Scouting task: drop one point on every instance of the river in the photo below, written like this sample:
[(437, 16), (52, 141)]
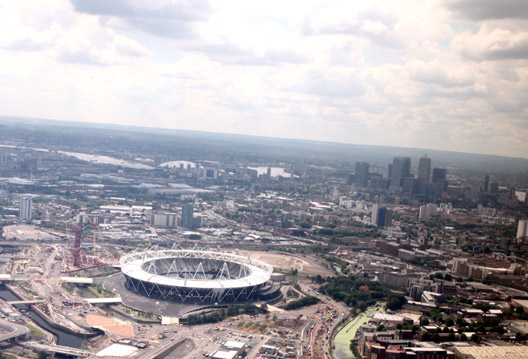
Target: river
[(63, 338), (100, 159), (345, 335)]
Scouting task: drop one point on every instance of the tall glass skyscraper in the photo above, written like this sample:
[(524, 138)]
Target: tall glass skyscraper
[(424, 168), (439, 174), (361, 174), (401, 168)]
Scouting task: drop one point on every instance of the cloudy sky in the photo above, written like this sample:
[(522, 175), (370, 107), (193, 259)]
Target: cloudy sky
[(442, 74)]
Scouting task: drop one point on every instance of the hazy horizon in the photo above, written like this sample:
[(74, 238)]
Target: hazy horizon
[(378, 155), (140, 128)]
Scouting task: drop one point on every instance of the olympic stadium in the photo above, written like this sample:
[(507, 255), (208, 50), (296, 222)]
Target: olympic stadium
[(197, 276)]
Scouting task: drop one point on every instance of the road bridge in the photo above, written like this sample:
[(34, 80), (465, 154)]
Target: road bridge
[(34, 301), (5, 278), (15, 331), (112, 300), (58, 349), (162, 349)]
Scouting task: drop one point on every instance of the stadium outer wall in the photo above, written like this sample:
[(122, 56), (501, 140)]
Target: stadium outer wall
[(197, 276)]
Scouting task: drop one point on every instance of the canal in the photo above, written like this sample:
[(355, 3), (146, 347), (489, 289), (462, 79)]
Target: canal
[(345, 335), (63, 338)]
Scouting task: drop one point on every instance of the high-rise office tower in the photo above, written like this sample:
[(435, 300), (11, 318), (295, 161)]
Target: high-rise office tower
[(409, 185), (387, 220), (486, 184), (522, 230), (426, 211), (424, 168), (187, 216), (374, 218), (401, 168), (361, 174), (25, 208), (439, 174), (383, 217)]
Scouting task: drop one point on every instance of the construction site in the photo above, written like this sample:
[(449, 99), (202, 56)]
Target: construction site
[(72, 289)]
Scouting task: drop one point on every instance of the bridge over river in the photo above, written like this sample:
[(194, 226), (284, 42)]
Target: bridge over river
[(58, 349)]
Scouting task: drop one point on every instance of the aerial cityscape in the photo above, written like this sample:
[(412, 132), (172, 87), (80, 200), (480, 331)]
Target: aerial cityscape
[(236, 179), (118, 242)]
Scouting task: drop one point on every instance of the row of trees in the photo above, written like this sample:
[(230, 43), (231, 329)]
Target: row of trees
[(232, 311), (303, 302), (435, 337)]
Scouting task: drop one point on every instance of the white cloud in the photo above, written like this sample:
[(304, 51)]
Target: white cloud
[(492, 43), (172, 19), (410, 73)]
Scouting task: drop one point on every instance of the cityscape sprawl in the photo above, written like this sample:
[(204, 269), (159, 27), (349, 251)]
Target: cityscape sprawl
[(117, 242)]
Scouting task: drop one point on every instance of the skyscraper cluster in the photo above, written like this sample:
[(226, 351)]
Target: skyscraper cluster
[(424, 184), (429, 182)]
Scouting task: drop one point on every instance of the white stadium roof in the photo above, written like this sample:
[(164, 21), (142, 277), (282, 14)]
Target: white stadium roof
[(133, 266)]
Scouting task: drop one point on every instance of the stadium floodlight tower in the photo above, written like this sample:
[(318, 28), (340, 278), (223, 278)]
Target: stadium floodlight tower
[(197, 276)]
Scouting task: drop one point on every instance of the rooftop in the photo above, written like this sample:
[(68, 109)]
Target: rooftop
[(499, 352)]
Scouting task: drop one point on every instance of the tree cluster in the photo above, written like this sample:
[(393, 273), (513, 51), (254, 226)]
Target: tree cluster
[(219, 315), (303, 302), (360, 293)]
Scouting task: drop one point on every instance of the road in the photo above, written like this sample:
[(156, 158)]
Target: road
[(328, 317), (14, 331), (48, 286), (198, 334)]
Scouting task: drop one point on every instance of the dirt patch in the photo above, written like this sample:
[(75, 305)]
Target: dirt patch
[(305, 265), (114, 326)]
